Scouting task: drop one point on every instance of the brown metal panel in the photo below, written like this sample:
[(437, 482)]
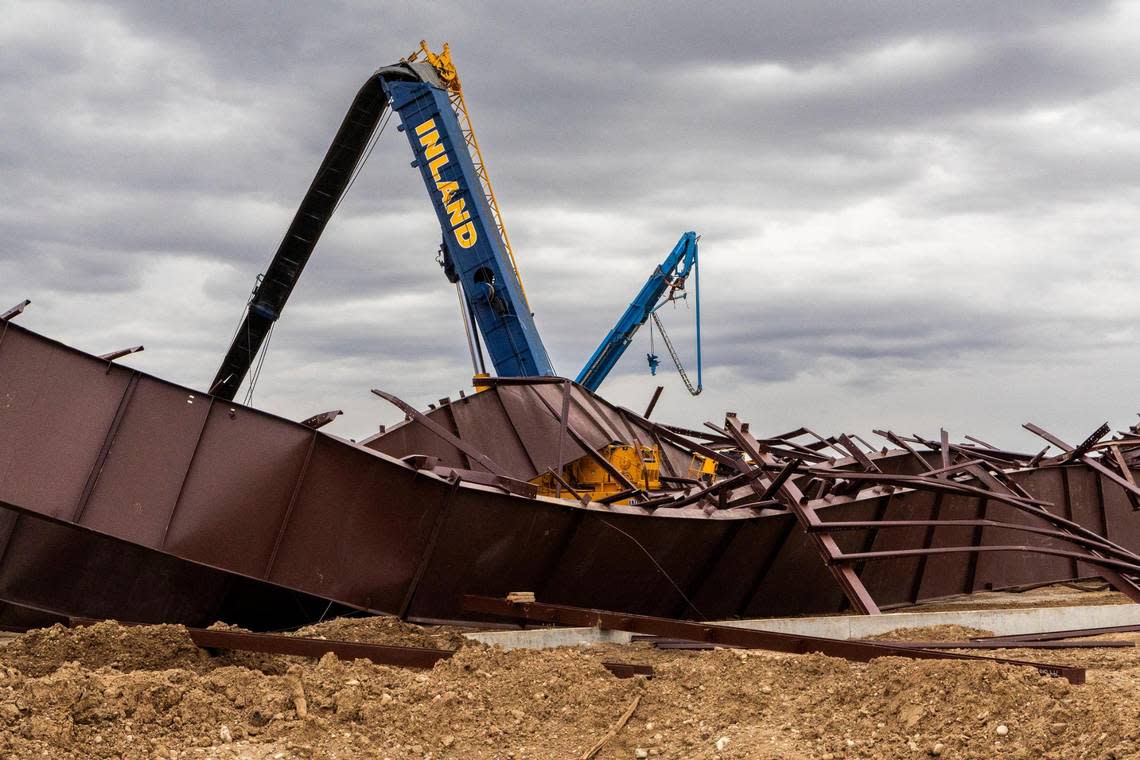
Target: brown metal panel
[(408, 438), (887, 580), (1084, 498), (517, 426), (582, 418), (136, 491), (486, 427), (14, 617), (1001, 570), (237, 490), (358, 527), (727, 583), (634, 562), (796, 583), (537, 427), (1122, 523), (491, 541), (57, 406), (56, 567), (949, 574), (267, 498)]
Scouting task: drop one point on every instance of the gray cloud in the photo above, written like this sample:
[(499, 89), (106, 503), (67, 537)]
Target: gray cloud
[(913, 213)]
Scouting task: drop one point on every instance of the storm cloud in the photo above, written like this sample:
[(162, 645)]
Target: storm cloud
[(913, 213)]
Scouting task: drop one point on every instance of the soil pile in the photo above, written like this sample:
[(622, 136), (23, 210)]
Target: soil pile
[(932, 633), (386, 630), (109, 691)]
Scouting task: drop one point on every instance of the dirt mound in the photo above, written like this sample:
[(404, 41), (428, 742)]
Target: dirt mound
[(105, 644), (932, 633), (485, 703), (385, 630)]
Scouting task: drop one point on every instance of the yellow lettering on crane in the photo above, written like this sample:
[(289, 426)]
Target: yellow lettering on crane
[(436, 165), (457, 213), (431, 144), (466, 235), (446, 190)]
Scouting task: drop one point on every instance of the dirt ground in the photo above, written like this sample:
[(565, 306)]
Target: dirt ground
[(112, 691)]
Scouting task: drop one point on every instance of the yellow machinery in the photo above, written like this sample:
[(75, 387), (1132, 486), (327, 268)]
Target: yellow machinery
[(640, 465)]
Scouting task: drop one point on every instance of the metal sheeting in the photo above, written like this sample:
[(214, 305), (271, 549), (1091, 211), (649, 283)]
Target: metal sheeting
[(518, 427), (180, 499)]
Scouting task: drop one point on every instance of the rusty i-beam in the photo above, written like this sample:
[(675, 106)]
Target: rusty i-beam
[(732, 636)]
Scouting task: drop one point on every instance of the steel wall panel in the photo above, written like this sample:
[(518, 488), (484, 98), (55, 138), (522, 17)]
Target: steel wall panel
[(731, 577), (358, 528), (56, 408), (884, 579), (494, 543), (238, 488), (140, 480), (259, 497), (608, 559)]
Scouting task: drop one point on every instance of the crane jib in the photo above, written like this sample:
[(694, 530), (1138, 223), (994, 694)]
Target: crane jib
[(474, 246), (487, 276)]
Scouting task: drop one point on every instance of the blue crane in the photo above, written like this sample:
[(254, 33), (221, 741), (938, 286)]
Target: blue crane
[(665, 285), (475, 252)]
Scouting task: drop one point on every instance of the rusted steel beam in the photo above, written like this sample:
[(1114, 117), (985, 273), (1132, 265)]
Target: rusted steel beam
[(1092, 559), (113, 355), (829, 525), (724, 635), (272, 643), (439, 430), (1074, 633), (662, 643), (381, 654), (721, 486), (653, 401), (898, 441), (1041, 432), (858, 454), (944, 471), (781, 478), (919, 482), (1087, 444), (618, 496), (563, 484), (1012, 644), (15, 311), (844, 575), (1126, 471), (320, 420)]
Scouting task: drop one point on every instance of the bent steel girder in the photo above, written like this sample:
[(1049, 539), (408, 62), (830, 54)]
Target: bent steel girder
[(134, 466)]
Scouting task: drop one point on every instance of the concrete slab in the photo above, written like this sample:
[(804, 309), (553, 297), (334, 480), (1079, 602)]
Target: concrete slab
[(1001, 622)]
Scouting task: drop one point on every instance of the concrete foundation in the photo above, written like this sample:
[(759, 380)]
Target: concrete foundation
[(1001, 622)]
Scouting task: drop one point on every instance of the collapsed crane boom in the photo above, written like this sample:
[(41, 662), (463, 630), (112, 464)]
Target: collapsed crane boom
[(474, 248), (333, 176)]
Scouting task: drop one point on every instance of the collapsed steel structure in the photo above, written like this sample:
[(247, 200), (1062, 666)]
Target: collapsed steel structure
[(126, 496)]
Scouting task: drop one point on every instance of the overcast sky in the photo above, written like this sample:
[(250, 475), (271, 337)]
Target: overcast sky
[(913, 213)]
